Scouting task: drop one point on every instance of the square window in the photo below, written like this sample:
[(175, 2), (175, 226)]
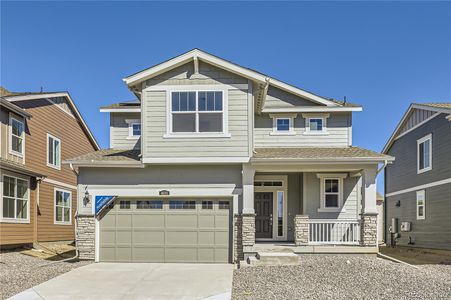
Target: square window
[(283, 124), (124, 204), (182, 204), (210, 122), (149, 204), (184, 123), (136, 129), (224, 204), (331, 200), (207, 204), (316, 124)]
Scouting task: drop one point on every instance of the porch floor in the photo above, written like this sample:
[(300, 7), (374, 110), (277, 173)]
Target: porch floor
[(313, 249)]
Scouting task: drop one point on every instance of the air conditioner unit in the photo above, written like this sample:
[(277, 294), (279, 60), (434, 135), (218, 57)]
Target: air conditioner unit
[(405, 226)]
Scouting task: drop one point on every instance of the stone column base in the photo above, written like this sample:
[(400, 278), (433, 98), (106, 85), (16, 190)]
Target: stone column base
[(244, 234), (368, 236), (85, 236), (301, 229)]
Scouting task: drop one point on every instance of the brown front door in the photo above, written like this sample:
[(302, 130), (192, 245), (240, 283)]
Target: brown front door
[(263, 211)]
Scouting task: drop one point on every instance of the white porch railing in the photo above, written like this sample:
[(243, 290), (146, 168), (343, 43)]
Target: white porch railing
[(345, 232)]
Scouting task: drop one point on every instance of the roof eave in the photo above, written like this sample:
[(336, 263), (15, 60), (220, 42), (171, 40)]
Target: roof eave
[(324, 160), (312, 109)]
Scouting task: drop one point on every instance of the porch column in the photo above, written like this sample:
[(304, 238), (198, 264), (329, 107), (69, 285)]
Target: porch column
[(369, 210)]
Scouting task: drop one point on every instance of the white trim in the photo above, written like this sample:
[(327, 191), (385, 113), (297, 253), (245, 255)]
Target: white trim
[(419, 142), (10, 137), (121, 110), (197, 134), (308, 117), (289, 117), (320, 109), (97, 240), (331, 176), (421, 194), (130, 123), (59, 183), (275, 190), (223, 64), (55, 189), (210, 87), (58, 166), (189, 160), (419, 187), (15, 219), (71, 103)]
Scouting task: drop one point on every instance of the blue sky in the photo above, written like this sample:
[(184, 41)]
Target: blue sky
[(383, 55)]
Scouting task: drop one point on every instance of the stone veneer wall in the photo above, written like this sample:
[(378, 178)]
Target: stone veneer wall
[(368, 236), (244, 235), (85, 236), (301, 229)]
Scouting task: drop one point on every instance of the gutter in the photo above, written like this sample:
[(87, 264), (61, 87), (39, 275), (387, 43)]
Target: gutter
[(382, 168)]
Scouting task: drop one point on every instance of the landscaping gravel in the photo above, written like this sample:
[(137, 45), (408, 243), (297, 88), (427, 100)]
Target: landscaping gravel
[(19, 272), (343, 277)]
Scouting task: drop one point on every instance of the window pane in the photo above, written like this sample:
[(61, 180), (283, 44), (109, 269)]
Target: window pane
[(331, 186), (16, 144), (192, 101), (8, 186), (124, 205), (136, 128), (420, 211), (22, 189), (17, 128), (210, 122), (59, 198), (218, 101), (224, 204), (426, 153), (202, 100), (66, 214), (22, 209), (421, 155), (283, 124), (184, 123), (207, 204), (316, 124), (175, 101), (57, 153), (183, 101), (331, 200), (50, 158), (8, 207), (155, 204), (179, 204), (210, 101), (280, 213), (66, 199), (59, 213)]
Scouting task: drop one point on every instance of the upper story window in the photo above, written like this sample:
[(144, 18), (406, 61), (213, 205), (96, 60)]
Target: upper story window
[(16, 137), (134, 128), (331, 192), (315, 123), (53, 152), (424, 154), (283, 124), (197, 112), (15, 199)]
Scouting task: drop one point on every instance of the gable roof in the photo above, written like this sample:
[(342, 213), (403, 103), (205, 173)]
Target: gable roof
[(12, 97), (437, 108), (197, 54), (16, 109)]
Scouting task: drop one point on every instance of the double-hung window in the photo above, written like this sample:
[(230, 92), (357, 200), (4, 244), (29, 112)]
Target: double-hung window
[(315, 123), (53, 152), (16, 138), (421, 204), (424, 154), (197, 112), (63, 206), (15, 200), (331, 189)]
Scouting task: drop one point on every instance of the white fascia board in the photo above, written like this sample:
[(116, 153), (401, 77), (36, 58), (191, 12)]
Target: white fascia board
[(71, 103), (312, 109), (321, 161), (225, 65), (431, 108), (195, 160), (110, 110)]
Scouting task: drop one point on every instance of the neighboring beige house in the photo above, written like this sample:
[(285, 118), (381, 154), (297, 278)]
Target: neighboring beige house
[(215, 162)]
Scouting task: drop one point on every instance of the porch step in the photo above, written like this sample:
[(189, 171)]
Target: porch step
[(273, 259)]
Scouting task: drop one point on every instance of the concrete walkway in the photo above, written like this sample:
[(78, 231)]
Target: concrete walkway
[(137, 281)]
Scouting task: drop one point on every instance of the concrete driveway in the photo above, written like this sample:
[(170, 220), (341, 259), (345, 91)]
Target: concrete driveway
[(138, 281)]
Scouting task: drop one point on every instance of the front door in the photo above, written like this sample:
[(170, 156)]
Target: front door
[(263, 211)]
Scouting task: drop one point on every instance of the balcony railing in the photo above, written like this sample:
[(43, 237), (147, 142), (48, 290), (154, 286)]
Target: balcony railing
[(337, 232)]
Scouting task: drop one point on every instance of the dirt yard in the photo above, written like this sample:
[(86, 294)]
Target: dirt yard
[(418, 256)]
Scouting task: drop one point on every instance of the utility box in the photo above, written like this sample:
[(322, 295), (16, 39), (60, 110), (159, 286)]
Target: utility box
[(405, 226)]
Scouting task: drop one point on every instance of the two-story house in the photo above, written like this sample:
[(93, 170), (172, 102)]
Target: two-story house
[(418, 184), (213, 161), (38, 192)]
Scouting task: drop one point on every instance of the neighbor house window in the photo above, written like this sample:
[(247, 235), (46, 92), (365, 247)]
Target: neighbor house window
[(283, 124), (331, 189), (424, 154), (421, 203), (17, 133), (15, 199), (63, 204), (134, 129), (315, 124), (53, 152), (197, 112)]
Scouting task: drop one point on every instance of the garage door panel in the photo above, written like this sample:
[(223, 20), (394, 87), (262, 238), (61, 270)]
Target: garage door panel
[(221, 238), (124, 220), (206, 255), (144, 237), (181, 238), (107, 237), (222, 221), (206, 237), (221, 254), (108, 253), (148, 221), (148, 254), (206, 221), (181, 221), (181, 254), (123, 253), (124, 237), (109, 220)]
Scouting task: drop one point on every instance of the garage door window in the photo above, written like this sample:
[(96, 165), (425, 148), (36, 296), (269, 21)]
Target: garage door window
[(181, 204), (124, 205), (223, 204), (207, 204), (154, 204)]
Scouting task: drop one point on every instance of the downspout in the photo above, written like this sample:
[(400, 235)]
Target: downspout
[(382, 168)]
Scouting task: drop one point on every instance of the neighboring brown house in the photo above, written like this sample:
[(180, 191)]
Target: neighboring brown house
[(38, 193)]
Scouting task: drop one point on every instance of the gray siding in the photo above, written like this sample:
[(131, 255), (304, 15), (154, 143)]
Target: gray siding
[(402, 174), (154, 102), (416, 116), (277, 98), (339, 126), (351, 206), (435, 230), (119, 131)]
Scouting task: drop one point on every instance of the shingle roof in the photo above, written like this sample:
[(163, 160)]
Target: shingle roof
[(436, 105), (11, 106), (17, 167), (319, 153), (345, 104), (108, 155)]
